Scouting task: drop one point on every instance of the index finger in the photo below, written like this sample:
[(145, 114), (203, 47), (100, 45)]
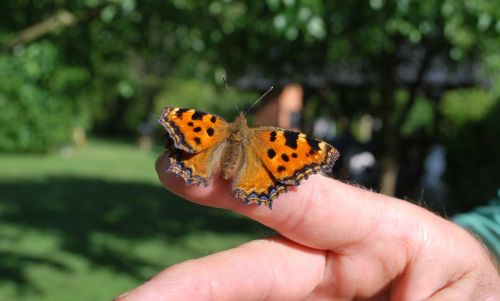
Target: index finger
[(321, 213)]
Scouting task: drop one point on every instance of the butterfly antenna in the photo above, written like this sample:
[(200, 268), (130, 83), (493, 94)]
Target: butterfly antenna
[(260, 98), (229, 94)]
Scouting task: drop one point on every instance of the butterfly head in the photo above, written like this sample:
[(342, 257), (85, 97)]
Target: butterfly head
[(239, 124)]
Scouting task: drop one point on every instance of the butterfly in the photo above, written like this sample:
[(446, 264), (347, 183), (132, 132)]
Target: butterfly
[(262, 162)]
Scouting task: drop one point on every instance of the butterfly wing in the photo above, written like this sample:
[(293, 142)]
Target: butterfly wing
[(194, 143), (255, 184), (277, 158), (191, 130), (292, 156)]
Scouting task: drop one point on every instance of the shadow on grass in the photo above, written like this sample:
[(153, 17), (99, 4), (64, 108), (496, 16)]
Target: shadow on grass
[(76, 209), (12, 268)]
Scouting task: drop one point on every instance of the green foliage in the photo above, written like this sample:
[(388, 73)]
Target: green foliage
[(467, 106), (471, 130), (36, 99), (420, 118)]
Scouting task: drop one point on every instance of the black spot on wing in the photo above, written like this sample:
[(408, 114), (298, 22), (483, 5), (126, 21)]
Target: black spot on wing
[(210, 132), (213, 119), (271, 153), (190, 123), (272, 136), (180, 112), (313, 143), (198, 115), (197, 129), (291, 139), (281, 168), (294, 155), (197, 140), (285, 157)]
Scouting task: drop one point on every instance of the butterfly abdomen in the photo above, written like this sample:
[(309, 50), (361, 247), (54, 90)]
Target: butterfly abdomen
[(231, 158)]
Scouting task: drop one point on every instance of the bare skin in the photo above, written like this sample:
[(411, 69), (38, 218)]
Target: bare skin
[(338, 242)]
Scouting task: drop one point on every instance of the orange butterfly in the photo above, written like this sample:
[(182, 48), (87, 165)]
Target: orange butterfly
[(262, 162)]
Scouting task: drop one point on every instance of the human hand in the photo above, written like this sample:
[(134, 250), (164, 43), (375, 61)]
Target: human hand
[(338, 242)]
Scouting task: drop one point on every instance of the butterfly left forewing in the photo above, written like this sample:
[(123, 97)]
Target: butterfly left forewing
[(191, 130), (194, 142), (292, 156)]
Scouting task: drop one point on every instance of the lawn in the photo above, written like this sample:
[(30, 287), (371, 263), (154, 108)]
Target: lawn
[(90, 223)]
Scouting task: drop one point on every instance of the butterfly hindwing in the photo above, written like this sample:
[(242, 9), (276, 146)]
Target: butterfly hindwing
[(292, 156), (254, 184), (195, 168), (191, 130)]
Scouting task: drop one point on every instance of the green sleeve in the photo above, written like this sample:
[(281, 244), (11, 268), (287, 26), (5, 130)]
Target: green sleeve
[(485, 223)]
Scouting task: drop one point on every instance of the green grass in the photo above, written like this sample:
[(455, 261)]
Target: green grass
[(94, 223)]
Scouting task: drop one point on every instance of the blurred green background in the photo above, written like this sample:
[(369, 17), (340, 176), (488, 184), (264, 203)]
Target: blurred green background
[(82, 215)]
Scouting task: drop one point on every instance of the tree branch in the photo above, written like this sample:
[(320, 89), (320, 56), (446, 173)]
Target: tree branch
[(413, 89), (61, 19)]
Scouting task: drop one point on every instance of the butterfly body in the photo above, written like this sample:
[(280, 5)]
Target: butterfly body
[(261, 162), (232, 157)]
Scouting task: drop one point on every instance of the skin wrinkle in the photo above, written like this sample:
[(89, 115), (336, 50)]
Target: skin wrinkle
[(447, 287), (414, 258), (349, 290), (212, 288), (486, 250), (482, 287), (329, 274), (321, 276), (252, 248), (403, 239), (268, 293), (399, 279)]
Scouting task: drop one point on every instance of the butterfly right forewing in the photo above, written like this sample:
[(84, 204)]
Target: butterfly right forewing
[(292, 156)]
